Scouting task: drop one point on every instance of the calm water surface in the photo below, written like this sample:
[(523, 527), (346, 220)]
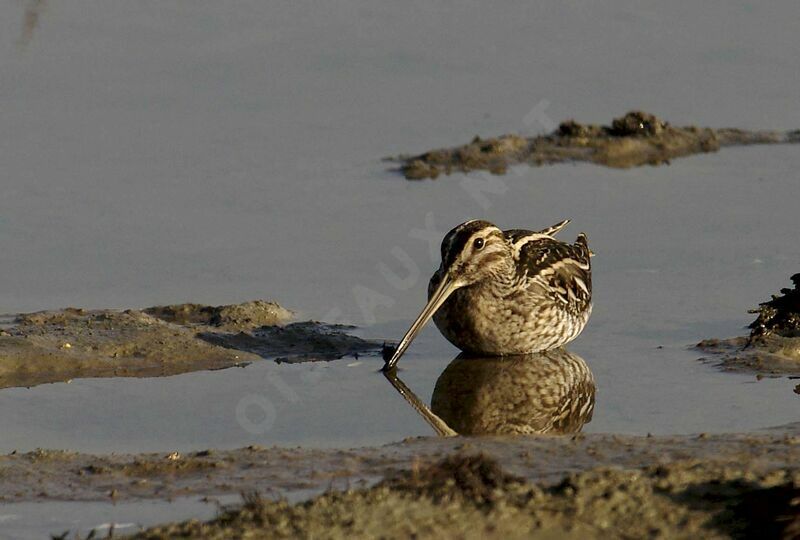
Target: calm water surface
[(163, 152), (157, 153)]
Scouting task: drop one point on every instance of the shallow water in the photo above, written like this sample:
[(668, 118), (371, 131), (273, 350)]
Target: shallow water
[(35, 520), (348, 403), (155, 154)]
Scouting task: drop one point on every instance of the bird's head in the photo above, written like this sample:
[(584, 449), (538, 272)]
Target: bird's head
[(473, 251)]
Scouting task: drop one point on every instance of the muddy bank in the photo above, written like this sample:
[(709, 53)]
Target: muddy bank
[(635, 139), (775, 357), (472, 496), (307, 341), (773, 346), (544, 460), (60, 345), (543, 486)]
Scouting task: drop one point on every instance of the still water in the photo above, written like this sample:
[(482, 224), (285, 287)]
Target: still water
[(164, 152), (157, 153)]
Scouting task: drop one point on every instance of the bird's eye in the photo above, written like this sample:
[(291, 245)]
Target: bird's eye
[(478, 243)]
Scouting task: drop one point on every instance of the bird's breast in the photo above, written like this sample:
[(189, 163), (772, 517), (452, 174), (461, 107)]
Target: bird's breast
[(482, 319)]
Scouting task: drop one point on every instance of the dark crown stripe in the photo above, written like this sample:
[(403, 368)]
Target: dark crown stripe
[(457, 238)]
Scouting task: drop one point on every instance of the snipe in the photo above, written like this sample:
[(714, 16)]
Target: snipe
[(507, 292)]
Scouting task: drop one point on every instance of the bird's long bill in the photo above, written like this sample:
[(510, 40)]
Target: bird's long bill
[(445, 289)]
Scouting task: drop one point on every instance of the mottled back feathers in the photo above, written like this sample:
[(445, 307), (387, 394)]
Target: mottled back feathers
[(563, 270)]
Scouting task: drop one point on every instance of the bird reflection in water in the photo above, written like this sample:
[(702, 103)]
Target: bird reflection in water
[(550, 392)]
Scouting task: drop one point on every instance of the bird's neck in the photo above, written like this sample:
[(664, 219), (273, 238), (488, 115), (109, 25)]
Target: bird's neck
[(501, 279)]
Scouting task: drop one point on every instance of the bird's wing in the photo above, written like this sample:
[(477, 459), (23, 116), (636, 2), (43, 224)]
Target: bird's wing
[(552, 230), (517, 237), (558, 269)]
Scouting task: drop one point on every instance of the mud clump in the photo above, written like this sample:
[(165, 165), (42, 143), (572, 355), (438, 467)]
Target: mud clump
[(229, 317), (774, 356), (779, 316), (637, 124), (635, 139), (478, 478), (773, 346), (53, 346), (173, 464), (494, 155), (61, 345)]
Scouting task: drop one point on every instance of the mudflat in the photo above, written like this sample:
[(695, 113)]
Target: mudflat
[(632, 140), (583, 485), (51, 346)]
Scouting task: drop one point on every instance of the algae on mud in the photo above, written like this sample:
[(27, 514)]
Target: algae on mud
[(54, 346), (773, 346), (635, 139)]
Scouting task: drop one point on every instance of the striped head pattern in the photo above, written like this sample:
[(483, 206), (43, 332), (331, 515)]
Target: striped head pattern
[(473, 251)]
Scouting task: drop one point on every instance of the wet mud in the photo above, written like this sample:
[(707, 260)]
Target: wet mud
[(773, 346), (61, 345), (62, 475), (233, 317), (308, 341), (582, 485), (471, 496), (635, 139), (779, 316)]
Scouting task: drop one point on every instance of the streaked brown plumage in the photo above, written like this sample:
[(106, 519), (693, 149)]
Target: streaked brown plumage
[(550, 392), (507, 292)]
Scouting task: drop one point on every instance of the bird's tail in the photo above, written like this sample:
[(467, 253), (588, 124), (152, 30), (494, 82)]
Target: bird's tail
[(583, 241)]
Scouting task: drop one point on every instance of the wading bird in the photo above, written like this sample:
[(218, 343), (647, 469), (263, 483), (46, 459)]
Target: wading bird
[(506, 292)]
